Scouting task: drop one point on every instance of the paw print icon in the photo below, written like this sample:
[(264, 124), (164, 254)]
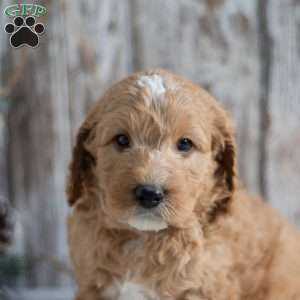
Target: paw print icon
[(24, 32)]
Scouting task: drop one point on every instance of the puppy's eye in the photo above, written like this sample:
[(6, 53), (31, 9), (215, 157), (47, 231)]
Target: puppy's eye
[(122, 141), (184, 145)]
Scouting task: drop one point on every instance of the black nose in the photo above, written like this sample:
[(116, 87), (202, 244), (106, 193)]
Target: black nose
[(148, 195)]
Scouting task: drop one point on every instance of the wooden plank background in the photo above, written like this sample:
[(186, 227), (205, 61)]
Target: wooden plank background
[(246, 53)]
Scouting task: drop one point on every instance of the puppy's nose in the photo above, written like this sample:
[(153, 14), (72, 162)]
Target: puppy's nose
[(148, 195)]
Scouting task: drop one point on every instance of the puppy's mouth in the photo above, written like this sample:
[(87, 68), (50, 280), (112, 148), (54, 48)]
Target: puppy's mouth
[(145, 220)]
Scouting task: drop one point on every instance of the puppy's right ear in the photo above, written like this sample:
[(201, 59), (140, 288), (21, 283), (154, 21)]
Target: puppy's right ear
[(80, 167)]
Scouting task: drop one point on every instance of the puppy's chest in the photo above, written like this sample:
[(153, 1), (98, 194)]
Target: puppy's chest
[(130, 267), (147, 268), (127, 290), (122, 257)]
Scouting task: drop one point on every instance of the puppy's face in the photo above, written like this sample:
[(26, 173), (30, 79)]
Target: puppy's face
[(155, 153)]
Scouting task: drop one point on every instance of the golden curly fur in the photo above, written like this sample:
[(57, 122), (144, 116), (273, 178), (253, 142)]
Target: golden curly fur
[(208, 239)]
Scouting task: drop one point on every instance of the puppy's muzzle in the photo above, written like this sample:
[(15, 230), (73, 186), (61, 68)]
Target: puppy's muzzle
[(148, 196)]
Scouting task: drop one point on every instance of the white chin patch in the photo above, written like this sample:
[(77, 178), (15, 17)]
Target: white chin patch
[(147, 222)]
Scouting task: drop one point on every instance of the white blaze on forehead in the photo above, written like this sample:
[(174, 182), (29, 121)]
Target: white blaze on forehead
[(154, 84)]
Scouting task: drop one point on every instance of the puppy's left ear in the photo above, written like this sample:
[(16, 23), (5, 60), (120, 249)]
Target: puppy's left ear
[(224, 149), (80, 166)]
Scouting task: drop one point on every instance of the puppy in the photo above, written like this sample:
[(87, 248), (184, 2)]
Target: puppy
[(156, 208)]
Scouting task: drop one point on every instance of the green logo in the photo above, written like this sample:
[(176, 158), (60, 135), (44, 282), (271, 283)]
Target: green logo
[(24, 10)]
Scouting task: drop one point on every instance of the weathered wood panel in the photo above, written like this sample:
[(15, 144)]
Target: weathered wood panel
[(283, 145), (97, 46), (4, 106), (64, 75)]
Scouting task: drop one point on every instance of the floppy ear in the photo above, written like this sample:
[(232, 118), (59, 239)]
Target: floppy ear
[(80, 166), (226, 159), (224, 149)]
